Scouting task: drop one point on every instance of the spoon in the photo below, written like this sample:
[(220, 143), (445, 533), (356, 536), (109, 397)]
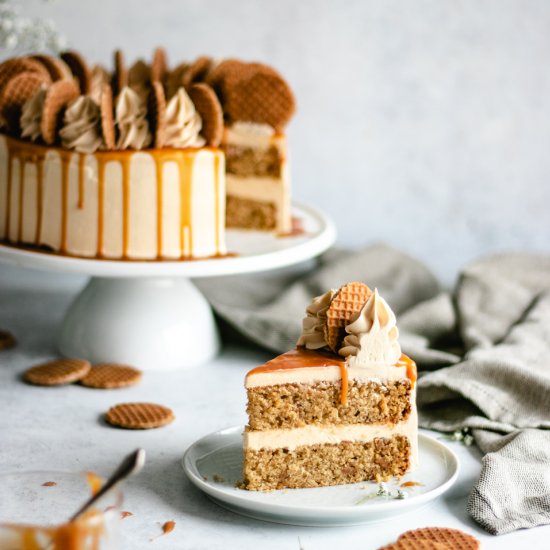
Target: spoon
[(132, 464)]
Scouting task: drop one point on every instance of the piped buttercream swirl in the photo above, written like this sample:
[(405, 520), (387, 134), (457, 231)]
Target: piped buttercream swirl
[(81, 126), (372, 335), (313, 324), (131, 121), (183, 122), (31, 115)]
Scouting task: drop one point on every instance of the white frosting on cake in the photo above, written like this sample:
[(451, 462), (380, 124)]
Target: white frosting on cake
[(372, 335), (98, 222)]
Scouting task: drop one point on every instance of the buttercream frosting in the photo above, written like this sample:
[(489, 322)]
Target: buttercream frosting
[(31, 115), (183, 122), (81, 126), (313, 324), (131, 121), (372, 335)]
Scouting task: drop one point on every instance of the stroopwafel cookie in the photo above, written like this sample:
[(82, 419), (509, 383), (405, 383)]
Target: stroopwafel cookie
[(139, 416), (57, 372)]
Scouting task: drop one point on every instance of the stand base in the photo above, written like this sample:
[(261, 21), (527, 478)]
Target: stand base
[(149, 323)]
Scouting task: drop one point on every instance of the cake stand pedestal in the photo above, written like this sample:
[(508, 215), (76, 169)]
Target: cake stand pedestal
[(150, 314)]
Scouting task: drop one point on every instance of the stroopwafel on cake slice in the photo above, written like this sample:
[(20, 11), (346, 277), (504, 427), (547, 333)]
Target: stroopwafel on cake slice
[(139, 416), (346, 302)]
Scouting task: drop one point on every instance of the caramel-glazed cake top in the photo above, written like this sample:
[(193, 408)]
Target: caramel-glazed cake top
[(64, 102)]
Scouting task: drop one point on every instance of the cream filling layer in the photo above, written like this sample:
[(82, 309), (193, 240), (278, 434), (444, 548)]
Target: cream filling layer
[(313, 375), (332, 434), (254, 136), (267, 190)]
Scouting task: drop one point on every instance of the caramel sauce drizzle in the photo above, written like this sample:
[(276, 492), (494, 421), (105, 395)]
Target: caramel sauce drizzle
[(160, 188), (25, 151), (81, 174), (65, 164), (85, 532), (300, 358), (39, 199), (217, 199), (100, 201), (22, 166)]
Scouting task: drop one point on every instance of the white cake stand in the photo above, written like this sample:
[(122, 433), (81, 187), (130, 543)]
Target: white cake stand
[(149, 314)]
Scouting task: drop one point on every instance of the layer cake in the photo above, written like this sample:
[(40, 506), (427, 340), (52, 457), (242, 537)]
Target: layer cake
[(130, 163), (327, 414)]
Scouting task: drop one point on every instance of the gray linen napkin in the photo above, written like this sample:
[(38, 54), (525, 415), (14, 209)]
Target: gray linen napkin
[(484, 353)]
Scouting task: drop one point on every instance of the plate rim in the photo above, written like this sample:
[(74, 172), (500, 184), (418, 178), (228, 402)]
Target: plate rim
[(340, 512)]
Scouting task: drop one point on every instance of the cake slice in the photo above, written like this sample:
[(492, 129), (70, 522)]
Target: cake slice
[(257, 178), (320, 418)]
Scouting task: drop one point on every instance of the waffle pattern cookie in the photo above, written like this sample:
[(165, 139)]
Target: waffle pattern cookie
[(15, 93), (57, 68), (157, 114), (57, 372), (210, 110), (58, 96), (434, 538), (139, 416), (79, 68), (257, 93), (107, 376), (346, 302)]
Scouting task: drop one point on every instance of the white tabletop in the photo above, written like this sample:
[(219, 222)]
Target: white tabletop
[(62, 428)]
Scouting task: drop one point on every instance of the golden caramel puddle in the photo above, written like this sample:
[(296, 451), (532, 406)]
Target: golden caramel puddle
[(84, 533)]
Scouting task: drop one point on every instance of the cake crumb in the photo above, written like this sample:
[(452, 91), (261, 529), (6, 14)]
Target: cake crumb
[(218, 478), (49, 484), (124, 515)]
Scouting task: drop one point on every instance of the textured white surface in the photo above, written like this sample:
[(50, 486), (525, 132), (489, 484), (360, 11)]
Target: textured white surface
[(62, 428), (425, 124)]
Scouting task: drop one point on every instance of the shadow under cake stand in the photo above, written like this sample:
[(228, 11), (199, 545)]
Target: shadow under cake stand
[(150, 314)]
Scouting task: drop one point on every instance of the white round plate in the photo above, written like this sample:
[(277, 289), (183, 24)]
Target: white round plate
[(214, 465), (255, 251)]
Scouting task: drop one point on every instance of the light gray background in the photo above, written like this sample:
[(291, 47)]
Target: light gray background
[(422, 123)]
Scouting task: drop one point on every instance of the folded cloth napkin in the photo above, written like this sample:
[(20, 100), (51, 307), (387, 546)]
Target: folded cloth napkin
[(483, 352)]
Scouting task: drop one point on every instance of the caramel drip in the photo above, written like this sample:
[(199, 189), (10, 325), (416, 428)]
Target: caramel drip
[(65, 164), (125, 205), (8, 201), (217, 198), (406, 361), (185, 164), (344, 389), (81, 166), (39, 197), (160, 187), (100, 200), (22, 166), (24, 153)]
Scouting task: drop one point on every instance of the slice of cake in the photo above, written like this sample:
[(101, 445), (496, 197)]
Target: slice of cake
[(257, 178), (340, 408)]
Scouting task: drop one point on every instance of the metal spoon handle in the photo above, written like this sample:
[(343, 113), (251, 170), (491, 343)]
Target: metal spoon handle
[(132, 464)]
